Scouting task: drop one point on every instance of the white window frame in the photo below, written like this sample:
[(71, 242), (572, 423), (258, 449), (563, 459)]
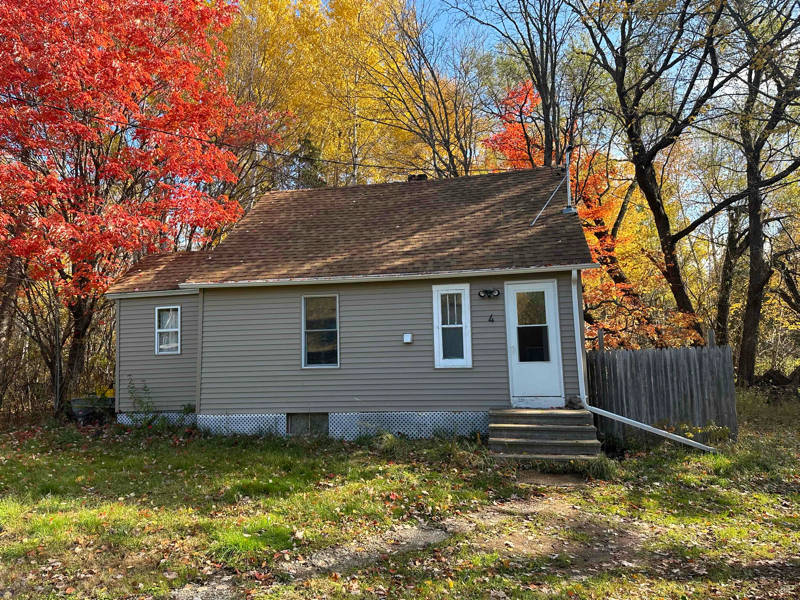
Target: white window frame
[(304, 357), (466, 318), (178, 329)]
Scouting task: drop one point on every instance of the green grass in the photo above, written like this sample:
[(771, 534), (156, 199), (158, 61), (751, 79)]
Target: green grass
[(118, 513), (141, 504)]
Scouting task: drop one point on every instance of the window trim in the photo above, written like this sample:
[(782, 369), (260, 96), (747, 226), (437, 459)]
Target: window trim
[(466, 320), (304, 357), (178, 329)]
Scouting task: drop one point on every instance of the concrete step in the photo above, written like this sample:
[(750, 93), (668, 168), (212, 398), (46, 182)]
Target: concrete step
[(542, 432), (531, 446), (543, 457), (533, 416)]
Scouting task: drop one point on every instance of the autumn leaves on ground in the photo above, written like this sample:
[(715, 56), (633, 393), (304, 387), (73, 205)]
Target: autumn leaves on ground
[(147, 513)]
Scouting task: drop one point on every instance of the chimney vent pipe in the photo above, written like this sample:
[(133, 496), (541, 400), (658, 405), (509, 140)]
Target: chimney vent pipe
[(569, 210)]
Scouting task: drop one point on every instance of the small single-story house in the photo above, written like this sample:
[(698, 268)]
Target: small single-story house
[(410, 307)]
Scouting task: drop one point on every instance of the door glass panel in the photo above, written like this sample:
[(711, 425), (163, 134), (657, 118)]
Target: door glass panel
[(533, 344), (452, 342), (531, 308)]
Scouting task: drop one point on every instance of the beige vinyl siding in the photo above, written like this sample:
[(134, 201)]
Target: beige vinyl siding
[(566, 321), (170, 378), (583, 334), (251, 359), (116, 355)]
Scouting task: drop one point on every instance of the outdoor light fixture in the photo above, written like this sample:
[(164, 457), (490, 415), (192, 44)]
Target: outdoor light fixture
[(489, 293)]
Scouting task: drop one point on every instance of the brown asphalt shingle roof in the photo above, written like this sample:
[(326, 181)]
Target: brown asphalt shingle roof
[(158, 272), (418, 227)]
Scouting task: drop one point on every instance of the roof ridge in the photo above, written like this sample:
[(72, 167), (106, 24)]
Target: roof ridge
[(424, 182)]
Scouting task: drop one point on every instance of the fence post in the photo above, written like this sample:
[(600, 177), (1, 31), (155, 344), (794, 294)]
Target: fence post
[(600, 341), (710, 338)]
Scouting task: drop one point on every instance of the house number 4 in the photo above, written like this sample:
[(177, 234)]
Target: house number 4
[(491, 318)]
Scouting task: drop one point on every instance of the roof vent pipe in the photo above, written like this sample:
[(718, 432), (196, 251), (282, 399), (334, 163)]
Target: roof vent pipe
[(569, 210)]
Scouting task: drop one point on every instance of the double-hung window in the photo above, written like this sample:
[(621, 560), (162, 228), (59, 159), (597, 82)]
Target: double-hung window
[(320, 331), (168, 330), (452, 338)]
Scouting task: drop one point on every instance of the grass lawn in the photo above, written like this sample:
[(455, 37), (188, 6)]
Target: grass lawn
[(116, 513)]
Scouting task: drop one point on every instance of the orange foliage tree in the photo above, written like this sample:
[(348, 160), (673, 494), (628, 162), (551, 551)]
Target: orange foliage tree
[(518, 140), (613, 302)]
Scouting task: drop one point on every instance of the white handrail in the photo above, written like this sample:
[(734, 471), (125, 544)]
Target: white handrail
[(604, 413), (655, 430)]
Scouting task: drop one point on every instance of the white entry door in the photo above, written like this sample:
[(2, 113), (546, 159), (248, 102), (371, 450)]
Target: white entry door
[(534, 344)]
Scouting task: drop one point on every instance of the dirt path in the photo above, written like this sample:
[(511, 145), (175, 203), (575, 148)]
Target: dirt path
[(555, 528), (219, 587), (367, 551), (520, 528)]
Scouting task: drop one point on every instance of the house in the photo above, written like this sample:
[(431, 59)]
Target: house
[(410, 307)]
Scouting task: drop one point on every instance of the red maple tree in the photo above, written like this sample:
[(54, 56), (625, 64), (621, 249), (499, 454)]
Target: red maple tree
[(111, 118), (518, 139)]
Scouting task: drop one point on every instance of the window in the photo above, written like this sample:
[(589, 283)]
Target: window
[(532, 335), (452, 341), (320, 331), (168, 330)]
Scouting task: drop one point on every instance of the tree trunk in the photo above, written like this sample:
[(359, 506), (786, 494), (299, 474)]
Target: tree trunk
[(648, 184), (726, 281), (759, 275), (82, 312), (790, 295), (547, 128), (8, 292)]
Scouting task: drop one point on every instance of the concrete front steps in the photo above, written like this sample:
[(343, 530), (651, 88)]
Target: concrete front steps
[(528, 434)]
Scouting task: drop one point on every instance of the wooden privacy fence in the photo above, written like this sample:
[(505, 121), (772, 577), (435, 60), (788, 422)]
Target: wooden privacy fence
[(678, 389)]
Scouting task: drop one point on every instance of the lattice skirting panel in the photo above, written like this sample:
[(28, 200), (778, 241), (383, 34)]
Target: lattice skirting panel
[(349, 426), (274, 424), (173, 418)]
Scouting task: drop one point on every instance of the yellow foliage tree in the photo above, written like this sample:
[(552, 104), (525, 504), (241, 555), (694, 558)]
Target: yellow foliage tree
[(307, 59)]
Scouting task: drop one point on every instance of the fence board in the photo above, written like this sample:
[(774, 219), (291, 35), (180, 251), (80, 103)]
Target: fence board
[(672, 387)]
